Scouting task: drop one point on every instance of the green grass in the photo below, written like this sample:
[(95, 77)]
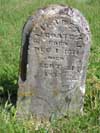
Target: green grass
[(13, 14)]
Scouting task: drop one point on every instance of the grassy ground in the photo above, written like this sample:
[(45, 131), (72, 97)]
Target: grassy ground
[(13, 14)]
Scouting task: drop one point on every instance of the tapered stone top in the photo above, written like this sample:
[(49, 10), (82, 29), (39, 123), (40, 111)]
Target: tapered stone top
[(54, 55)]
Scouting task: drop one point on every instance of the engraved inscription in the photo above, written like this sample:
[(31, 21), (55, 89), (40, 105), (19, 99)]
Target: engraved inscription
[(63, 48)]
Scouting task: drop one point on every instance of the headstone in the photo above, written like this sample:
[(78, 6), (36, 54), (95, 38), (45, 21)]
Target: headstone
[(54, 55)]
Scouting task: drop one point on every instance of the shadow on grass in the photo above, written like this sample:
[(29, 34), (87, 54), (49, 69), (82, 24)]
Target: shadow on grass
[(8, 90)]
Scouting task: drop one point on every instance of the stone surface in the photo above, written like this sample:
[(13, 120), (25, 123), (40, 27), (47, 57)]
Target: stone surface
[(54, 55)]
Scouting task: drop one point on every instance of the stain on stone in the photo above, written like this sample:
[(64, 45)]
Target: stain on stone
[(56, 92), (23, 65)]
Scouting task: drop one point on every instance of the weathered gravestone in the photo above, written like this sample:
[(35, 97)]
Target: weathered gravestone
[(55, 48)]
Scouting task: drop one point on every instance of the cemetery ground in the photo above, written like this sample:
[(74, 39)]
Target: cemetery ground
[(13, 15)]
